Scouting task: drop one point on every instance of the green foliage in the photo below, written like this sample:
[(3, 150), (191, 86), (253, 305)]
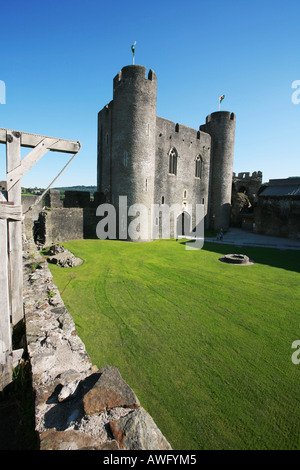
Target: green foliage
[(205, 345), (91, 189), (50, 294), (34, 266)]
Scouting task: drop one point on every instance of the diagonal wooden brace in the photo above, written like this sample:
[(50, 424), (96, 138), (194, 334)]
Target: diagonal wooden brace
[(29, 160)]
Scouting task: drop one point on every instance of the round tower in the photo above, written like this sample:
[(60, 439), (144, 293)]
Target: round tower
[(221, 126), (133, 136)]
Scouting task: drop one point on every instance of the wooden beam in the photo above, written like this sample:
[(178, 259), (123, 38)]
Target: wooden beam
[(13, 159), (29, 160), (10, 212), (32, 140)]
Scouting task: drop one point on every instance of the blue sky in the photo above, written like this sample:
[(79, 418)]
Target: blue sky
[(58, 60)]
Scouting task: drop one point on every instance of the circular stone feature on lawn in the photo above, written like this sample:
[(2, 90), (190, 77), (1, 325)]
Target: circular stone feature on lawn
[(239, 259)]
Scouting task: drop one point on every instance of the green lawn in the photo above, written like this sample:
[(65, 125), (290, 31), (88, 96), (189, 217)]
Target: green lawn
[(205, 345)]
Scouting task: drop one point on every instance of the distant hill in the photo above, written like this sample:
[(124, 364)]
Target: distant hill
[(90, 189)]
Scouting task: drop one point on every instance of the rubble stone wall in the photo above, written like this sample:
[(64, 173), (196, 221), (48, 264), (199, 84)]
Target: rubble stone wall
[(77, 405)]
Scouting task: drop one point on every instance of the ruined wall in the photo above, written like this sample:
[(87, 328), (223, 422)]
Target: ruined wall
[(65, 224), (247, 183), (31, 216), (77, 405), (71, 218)]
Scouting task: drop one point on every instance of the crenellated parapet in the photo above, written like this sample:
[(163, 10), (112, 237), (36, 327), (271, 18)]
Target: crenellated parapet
[(247, 183)]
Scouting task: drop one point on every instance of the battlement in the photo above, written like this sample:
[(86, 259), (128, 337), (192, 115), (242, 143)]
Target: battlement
[(171, 129), (247, 175), (133, 72), (220, 116)]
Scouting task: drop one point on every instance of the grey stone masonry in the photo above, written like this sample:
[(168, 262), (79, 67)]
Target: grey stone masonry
[(77, 405), (221, 126), (152, 160)]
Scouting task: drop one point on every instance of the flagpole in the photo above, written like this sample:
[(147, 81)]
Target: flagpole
[(220, 100), (133, 52)]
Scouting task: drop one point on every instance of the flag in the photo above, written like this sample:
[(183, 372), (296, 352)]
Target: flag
[(133, 48), (221, 98)]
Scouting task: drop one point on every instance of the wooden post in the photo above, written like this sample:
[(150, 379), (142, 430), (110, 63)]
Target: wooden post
[(13, 160), (5, 333), (11, 266)]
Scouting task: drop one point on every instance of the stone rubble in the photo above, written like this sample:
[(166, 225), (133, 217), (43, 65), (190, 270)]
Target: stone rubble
[(77, 405), (59, 255)]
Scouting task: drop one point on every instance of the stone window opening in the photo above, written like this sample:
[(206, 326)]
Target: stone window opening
[(184, 194), (163, 199), (198, 167), (125, 158), (173, 161)]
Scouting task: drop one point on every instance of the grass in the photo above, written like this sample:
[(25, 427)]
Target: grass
[(205, 345)]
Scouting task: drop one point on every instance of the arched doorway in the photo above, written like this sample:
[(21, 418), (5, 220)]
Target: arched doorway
[(184, 224)]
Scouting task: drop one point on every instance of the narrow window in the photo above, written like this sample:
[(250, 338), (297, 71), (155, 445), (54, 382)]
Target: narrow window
[(163, 199), (146, 185), (107, 139), (198, 167), (184, 194), (125, 158), (173, 162)]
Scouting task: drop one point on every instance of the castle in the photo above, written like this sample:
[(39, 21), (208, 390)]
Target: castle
[(151, 160)]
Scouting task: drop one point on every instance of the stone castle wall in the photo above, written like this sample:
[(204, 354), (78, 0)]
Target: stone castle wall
[(183, 188), (221, 127), (134, 146)]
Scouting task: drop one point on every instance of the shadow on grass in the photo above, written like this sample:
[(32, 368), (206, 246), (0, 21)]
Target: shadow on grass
[(284, 259)]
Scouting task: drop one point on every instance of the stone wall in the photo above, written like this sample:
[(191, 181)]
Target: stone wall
[(30, 216), (77, 405), (134, 147), (220, 126), (184, 188), (247, 183), (71, 218), (278, 216), (65, 224)]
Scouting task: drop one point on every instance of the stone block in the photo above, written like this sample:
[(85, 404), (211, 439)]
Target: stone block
[(138, 431), (110, 391)]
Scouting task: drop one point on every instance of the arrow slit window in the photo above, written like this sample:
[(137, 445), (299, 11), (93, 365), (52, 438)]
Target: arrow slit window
[(198, 166), (173, 161)]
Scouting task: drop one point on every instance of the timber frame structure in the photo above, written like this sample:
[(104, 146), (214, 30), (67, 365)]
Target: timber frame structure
[(11, 249)]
